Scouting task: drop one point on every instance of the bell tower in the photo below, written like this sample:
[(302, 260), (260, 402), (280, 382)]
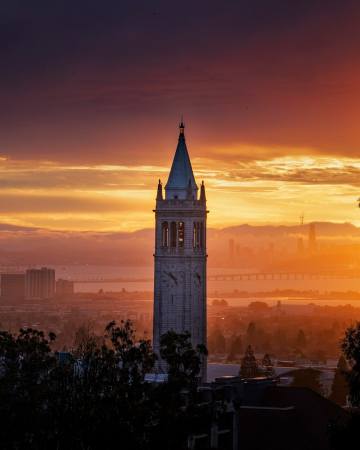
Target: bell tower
[(180, 253)]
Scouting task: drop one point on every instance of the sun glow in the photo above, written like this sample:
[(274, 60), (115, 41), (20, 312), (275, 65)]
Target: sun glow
[(121, 197)]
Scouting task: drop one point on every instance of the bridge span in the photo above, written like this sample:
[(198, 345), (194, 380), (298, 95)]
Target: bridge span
[(244, 276)]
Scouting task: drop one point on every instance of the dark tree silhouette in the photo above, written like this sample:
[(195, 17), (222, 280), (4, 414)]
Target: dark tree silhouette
[(217, 342), (351, 348), (301, 340), (249, 367), (236, 348), (251, 333), (268, 366), (98, 394), (344, 434)]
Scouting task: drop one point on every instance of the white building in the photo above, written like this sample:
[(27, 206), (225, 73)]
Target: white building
[(40, 284), (180, 253)]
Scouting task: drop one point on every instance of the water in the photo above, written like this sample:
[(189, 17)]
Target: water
[(146, 273), (215, 288)]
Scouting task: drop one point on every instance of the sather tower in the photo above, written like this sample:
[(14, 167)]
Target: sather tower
[(180, 253)]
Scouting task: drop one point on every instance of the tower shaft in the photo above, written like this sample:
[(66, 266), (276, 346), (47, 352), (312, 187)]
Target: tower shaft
[(180, 256)]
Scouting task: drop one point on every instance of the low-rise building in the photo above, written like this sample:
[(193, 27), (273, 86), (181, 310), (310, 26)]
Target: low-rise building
[(40, 284)]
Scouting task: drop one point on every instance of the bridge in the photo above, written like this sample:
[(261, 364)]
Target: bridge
[(275, 276), (244, 276)]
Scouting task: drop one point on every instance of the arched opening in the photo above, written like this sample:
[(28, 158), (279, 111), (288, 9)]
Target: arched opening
[(173, 234), (165, 234), (196, 235), (181, 234)]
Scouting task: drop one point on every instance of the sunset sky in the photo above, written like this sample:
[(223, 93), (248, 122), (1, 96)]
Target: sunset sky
[(91, 94)]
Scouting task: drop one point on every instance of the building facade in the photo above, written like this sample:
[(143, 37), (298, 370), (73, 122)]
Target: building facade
[(40, 284), (180, 254)]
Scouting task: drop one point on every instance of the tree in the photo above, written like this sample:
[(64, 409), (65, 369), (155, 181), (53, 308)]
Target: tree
[(340, 388), (217, 342), (268, 365), (183, 361), (259, 307), (251, 333), (301, 341), (221, 302), (89, 402), (235, 348), (249, 367), (343, 435), (351, 348)]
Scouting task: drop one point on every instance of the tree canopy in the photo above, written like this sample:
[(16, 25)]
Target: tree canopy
[(97, 395)]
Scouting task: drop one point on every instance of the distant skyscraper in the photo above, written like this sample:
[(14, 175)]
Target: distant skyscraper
[(40, 284), (180, 253), (312, 238)]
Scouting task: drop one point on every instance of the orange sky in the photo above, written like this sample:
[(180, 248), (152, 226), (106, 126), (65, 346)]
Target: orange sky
[(121, 197), (91, 95)]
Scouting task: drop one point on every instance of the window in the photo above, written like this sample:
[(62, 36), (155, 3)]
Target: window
[(181, 234), (173, 234), (165, 234), (198, 235)]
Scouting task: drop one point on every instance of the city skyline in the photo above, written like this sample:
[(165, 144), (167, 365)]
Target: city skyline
[(269, 95)]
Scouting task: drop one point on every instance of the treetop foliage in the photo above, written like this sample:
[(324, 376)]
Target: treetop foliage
[(98, 393)]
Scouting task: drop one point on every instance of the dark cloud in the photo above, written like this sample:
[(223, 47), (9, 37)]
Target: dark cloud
[(80, 79)]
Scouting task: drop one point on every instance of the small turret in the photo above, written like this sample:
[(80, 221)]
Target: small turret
[(159, 195), (202, 193)]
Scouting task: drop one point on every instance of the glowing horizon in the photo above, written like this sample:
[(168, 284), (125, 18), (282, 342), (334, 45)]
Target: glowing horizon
[(120, 197)]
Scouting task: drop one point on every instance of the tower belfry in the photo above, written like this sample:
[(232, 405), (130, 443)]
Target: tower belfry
[(180, 253)]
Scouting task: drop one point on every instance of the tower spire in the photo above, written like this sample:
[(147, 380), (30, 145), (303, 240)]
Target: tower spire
[(181, 172), (182, 126)]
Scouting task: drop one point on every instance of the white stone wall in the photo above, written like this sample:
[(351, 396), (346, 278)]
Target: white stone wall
[(180, 275)]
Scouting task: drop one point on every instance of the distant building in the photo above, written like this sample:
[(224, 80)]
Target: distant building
[(13, 286), (40, 284), (64, 287)]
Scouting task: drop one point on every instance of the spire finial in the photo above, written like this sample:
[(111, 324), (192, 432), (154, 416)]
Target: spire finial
[(182, 125), (202, 193), (159, 195)]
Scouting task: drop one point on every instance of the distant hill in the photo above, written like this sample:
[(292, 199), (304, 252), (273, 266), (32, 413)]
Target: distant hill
[(27, 245)]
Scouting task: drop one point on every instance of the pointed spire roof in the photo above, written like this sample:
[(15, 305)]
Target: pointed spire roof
[(181, 177)]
